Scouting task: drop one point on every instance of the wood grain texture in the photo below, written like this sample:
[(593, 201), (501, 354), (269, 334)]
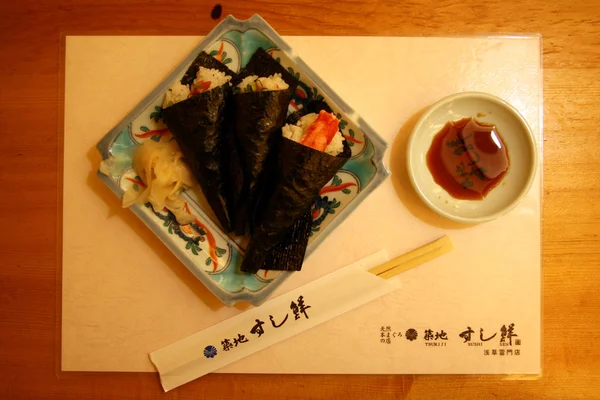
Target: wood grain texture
[(30, 113)]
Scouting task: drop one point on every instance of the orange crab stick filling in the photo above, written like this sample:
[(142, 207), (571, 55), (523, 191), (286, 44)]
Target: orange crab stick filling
[(201, 87), (321, 132)]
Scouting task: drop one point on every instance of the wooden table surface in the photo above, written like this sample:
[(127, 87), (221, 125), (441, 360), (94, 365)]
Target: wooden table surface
[(31, 115)]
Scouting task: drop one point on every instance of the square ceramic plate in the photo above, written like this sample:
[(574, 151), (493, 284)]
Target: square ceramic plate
[(216, 257)]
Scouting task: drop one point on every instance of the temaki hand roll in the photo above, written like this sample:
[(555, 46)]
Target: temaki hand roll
[(310, 153), (194, 111), (262, 95)]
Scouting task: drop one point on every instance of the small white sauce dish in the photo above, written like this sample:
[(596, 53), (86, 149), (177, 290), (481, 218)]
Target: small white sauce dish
[(518, 138)]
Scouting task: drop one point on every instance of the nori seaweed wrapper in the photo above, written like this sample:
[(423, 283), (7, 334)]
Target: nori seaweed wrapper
[(301, 172), (288, 254), (198, 125), (259, 117), (235, 171)]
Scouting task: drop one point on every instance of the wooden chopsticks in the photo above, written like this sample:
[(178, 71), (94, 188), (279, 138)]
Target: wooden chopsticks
[(413, 258)]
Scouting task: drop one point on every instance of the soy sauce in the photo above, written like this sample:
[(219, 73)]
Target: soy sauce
[(468, 158)]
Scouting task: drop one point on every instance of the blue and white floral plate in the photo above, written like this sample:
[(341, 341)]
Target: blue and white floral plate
[(215, 258)]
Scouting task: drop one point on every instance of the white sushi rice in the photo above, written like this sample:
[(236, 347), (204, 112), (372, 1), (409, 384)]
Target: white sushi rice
[(176, 93), (214, 76), (298, 132), (249, 80), (254, 83), (336, 146), (179, 92)]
